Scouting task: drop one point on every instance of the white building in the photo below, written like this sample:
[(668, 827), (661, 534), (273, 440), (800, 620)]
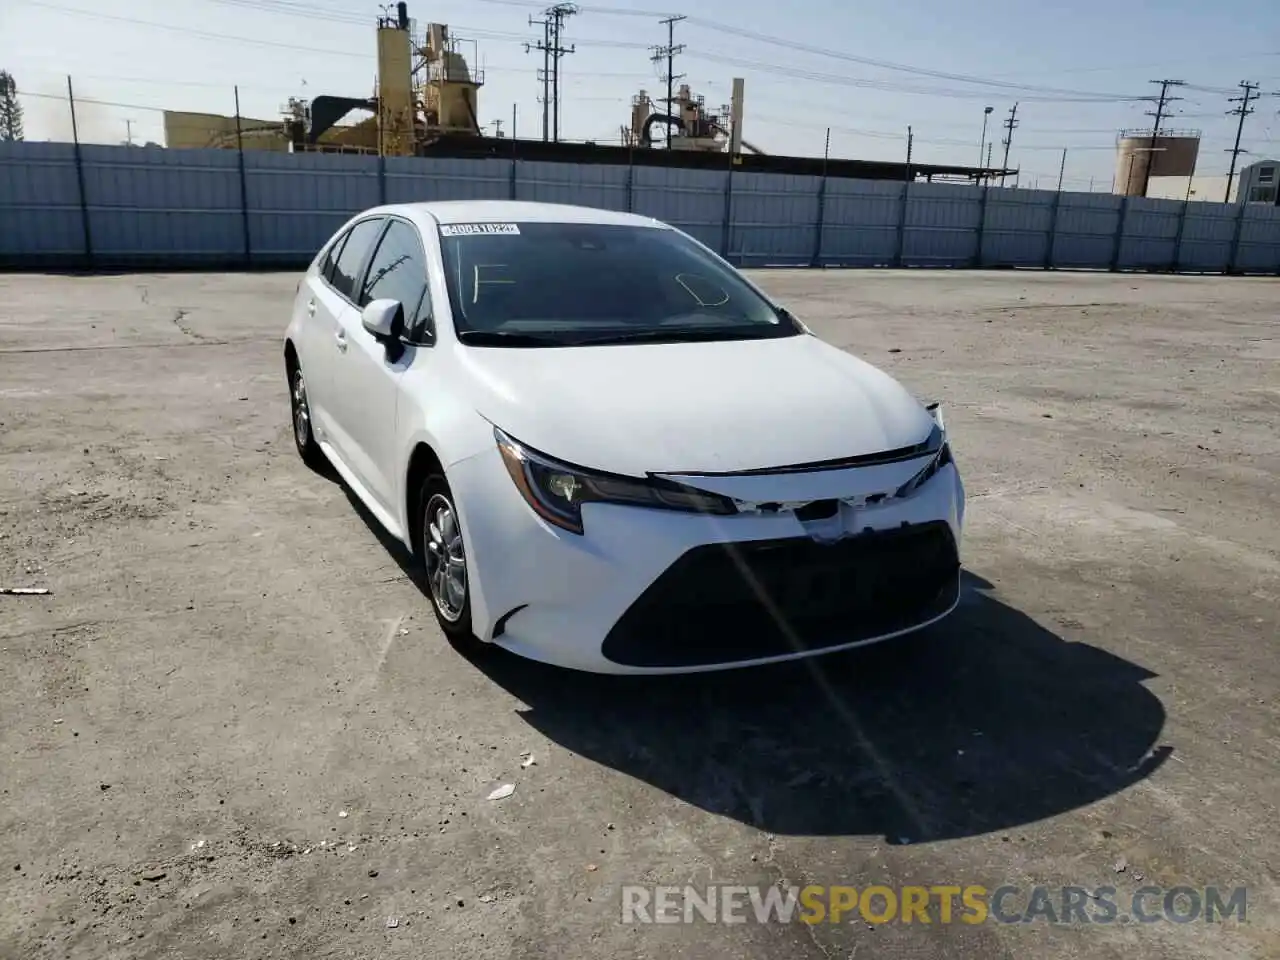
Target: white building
[(1256, 183)]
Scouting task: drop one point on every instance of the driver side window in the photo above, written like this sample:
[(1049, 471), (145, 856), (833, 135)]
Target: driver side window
[(398, 271)]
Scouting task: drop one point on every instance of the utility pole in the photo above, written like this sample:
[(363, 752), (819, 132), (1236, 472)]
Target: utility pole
[(1162, 102), (1010, 125), (1242, 111), (1062, 169), (557, 16), (986, 177), (910, 143), (545, 73), (128, 132), (669, 54)]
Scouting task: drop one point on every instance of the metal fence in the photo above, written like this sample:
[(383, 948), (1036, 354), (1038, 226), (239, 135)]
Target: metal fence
[(96, 206)]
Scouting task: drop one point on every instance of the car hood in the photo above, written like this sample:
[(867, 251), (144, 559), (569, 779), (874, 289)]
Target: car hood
[(716, 407)]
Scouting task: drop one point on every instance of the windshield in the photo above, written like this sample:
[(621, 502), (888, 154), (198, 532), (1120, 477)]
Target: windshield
[(569, 284)]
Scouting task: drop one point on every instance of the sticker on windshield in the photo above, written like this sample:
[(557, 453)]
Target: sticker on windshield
[(477, 229)]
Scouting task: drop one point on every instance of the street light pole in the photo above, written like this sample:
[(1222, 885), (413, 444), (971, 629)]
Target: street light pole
[(983, 142)]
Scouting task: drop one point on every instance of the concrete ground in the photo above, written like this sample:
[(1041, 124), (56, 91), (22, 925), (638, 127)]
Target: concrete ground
[(233, 729)]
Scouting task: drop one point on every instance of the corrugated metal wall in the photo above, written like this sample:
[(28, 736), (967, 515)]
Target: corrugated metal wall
[(192, 207)]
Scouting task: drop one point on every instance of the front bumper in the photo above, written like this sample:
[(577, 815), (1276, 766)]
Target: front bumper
[(654, 591)]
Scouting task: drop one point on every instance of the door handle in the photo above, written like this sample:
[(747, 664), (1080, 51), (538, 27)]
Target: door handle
[(341, 339), (311, 308)]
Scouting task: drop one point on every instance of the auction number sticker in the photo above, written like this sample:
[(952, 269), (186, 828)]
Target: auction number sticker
[(477, 229)]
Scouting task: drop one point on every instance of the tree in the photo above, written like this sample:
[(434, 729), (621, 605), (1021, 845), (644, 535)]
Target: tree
[(10, 109)]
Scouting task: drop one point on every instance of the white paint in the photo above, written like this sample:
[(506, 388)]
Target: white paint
[(695, 410)]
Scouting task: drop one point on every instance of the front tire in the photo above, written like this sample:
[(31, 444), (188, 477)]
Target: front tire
[(442, 555), (303, 435)]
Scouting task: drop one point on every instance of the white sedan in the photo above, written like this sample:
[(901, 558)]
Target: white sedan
[(608, 449)]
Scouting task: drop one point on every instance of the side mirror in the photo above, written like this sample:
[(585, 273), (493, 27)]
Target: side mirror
[(384, 319)]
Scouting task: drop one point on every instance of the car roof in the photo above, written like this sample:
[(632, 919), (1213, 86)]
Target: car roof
[(514, 211)]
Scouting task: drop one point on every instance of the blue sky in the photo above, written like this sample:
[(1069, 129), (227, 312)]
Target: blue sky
[(1071, 72)]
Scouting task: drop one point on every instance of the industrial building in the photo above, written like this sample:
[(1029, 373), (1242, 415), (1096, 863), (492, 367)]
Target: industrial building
[(426, 103)]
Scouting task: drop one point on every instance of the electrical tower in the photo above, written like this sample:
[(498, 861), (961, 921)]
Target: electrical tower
[(1162, 103), (1242, 111), (668, 53), (544, 46), (1010, 124)]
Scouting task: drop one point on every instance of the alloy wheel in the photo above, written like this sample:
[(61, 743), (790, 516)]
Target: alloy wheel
[(301, 413), (446, 559)]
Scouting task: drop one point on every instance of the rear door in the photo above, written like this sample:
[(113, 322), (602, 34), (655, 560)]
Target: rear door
[(313, 342), (333, 291), (366, 409)]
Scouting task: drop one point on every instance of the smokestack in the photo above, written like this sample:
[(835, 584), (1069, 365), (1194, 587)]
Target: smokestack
[(402, 15), (735, 118)]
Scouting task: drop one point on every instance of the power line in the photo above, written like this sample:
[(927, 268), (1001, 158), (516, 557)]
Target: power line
[(1242, 111), (774, 41), (297, 8), (1211, 58), (836, 79), (203, 34), (669, 54), (648, 14), (886, 85)]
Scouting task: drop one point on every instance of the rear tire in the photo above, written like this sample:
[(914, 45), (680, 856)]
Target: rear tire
[(442, 558), (303, 436)]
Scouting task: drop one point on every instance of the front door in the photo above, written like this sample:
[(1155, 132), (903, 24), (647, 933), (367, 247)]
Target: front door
[(369, 371), (332, 294)]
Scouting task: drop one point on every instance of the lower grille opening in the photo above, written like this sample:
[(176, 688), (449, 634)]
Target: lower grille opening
[(722, 603), (818, 510)]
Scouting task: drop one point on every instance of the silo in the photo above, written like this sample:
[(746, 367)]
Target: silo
[(1140, 156)]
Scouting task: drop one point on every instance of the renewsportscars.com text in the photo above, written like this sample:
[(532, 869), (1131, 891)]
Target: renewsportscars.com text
[(940, 904)]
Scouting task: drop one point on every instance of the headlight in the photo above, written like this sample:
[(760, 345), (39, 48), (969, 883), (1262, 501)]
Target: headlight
[(940, 449), (556, 491)]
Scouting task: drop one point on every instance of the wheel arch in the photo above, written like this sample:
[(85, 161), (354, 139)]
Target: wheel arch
[(290, 355), (423, 461)]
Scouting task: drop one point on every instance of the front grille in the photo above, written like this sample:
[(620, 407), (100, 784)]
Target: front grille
[(722, 603)]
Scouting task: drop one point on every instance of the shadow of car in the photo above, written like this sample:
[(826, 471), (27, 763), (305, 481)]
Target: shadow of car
[(982, 723)]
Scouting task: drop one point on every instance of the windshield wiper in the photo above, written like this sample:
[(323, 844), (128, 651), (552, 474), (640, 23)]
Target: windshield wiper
[(507, 338)]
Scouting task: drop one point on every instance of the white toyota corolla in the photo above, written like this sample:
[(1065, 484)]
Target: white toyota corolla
[(608, 449)]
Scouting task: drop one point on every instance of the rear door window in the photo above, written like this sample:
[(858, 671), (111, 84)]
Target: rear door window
[(353, 255), (326, 262)]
